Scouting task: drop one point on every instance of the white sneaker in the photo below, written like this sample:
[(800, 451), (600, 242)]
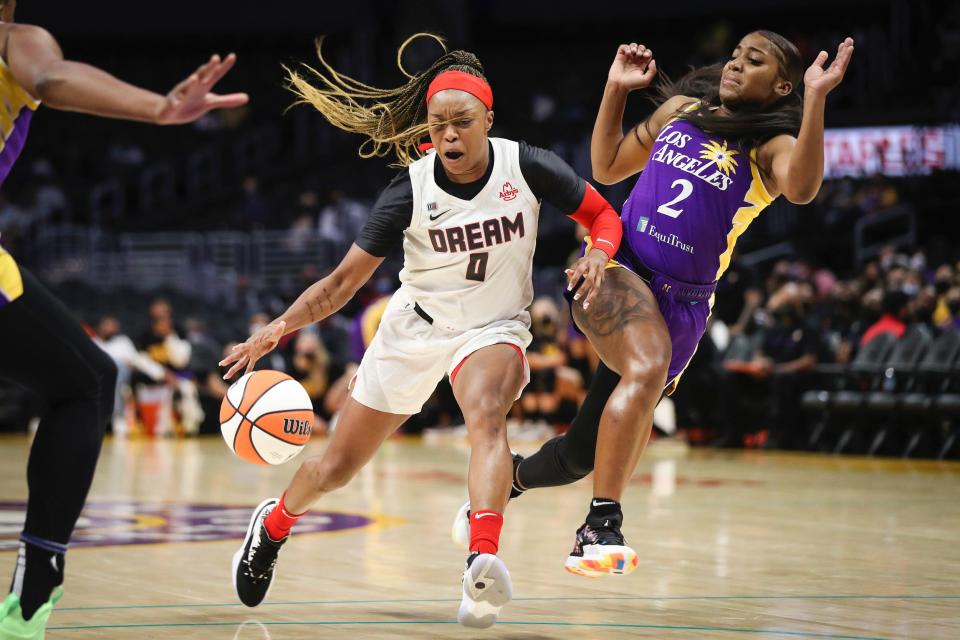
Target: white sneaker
[(486, 588), (460, 532)]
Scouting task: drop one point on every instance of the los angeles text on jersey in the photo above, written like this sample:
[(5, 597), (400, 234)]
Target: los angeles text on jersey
[(477, 235), (706, 169)]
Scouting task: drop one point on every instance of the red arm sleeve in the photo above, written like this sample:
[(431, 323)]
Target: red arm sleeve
[(599, 217)]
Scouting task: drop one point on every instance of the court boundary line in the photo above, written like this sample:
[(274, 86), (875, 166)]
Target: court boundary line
[(531, 623), (295, 603)]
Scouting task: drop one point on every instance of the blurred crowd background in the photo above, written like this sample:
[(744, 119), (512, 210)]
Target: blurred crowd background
[(171, 244)]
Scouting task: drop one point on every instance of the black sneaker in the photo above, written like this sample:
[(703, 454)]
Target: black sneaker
[(254, 561), (515, 489), (600, 550), (460, 531)]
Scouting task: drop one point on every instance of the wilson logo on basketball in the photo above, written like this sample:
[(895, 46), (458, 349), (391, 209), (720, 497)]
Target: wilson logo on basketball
[(298, 427), (509, 192)]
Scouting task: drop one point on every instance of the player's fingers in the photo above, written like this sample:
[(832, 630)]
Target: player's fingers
[(575, 278), (229, 101), (187, 85), (651, 69), (221, 70), (233, 356), (588, 283), (572, 278), (236, 368), (207, 67), (584, 290), (843, 58), (597, 279), (821, 58)]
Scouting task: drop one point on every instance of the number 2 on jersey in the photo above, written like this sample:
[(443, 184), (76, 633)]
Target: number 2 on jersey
[(685, 190), (477, 267)]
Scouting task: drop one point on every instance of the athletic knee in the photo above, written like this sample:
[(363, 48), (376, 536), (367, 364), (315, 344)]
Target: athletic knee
[(100, 379), (647, 369), (576, 462), (486, 418), (329, 472)]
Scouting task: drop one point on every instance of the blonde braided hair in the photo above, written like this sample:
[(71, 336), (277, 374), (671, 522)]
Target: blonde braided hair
[(392, 120)]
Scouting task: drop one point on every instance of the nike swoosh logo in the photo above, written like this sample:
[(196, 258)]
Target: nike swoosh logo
[(432, 218), (600, 504), (484, 515)]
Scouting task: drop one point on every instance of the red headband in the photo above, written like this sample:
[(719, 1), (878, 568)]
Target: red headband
[(462, 81)]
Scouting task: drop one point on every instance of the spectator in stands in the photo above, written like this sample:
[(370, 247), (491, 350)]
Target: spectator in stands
[(121, 349), (311, 367), (896, 311), (555, 389), (205, 372), (341, 220), (952, 300), (943, 281), (160, 405), (738, 296), (761, 388), (14, 221)]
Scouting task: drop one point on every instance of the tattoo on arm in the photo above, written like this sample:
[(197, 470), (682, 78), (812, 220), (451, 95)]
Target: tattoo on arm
[(317, 303), (310, 307)]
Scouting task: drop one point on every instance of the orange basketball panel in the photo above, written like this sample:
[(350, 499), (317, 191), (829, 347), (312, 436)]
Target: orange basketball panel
[(243, 444), (293, 427), (259, 382), (227, 410)]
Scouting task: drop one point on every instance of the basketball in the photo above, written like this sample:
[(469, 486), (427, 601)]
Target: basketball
[(266, 417)]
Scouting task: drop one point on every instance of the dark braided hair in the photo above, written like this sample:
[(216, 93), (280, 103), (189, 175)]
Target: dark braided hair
[(391, 119), (748, 126)]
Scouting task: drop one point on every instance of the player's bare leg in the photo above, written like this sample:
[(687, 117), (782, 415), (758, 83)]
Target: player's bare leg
[(485, 387), (625, 327), (360, 432)]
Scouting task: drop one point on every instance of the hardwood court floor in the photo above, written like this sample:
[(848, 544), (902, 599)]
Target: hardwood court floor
[(732, 545)]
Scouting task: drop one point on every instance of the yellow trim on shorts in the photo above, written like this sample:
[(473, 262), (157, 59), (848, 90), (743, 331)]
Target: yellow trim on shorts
[(11, 283)]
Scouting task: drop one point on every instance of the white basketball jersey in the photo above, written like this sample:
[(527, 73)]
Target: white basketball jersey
[(469, 262)]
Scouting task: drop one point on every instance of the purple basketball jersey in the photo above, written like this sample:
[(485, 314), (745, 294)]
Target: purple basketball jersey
[(16, 111), (691, 203)]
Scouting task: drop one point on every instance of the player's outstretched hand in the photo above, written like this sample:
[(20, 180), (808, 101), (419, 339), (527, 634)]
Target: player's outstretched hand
[(246, 354), (591, 268), (822, 80), (633, 67), (192, 98)]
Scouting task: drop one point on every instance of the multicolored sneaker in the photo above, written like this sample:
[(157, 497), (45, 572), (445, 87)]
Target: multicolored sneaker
[(254, 561), (486, 588), (14, 627), (600, 550), (460, 531)]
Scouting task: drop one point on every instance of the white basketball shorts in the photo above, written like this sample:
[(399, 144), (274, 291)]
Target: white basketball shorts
[(409, 356)]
